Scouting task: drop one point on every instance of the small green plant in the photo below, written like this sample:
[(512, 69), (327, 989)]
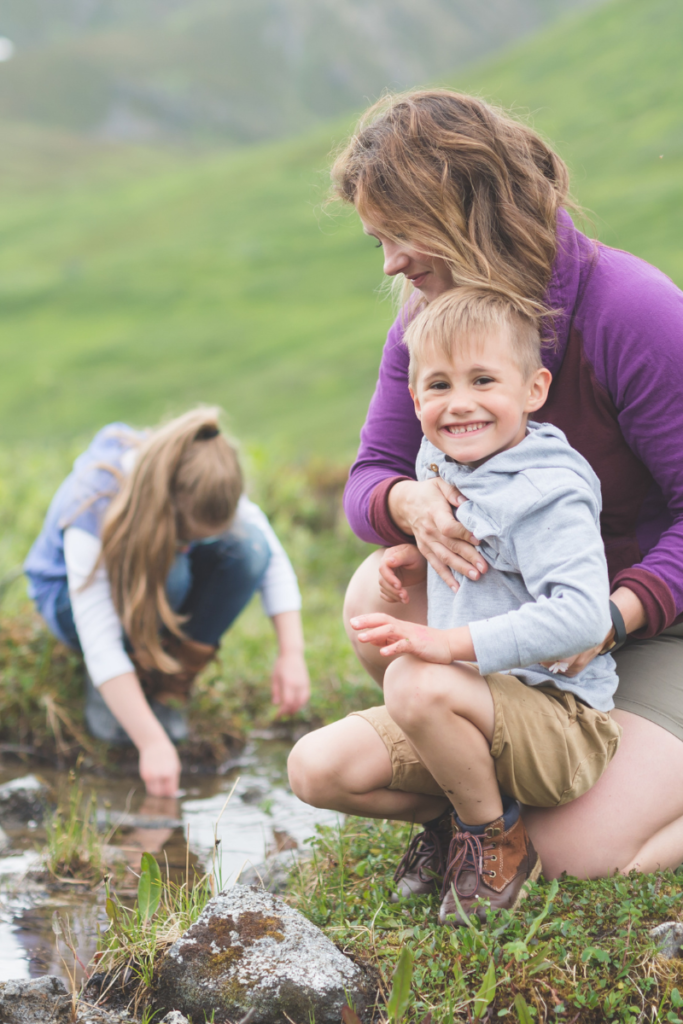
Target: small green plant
[(74, 847), (399, 997), (138, 937)]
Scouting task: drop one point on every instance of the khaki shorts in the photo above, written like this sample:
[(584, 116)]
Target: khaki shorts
[(548, 747)]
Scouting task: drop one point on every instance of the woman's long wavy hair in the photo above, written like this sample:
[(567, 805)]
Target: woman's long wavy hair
[(186, 477), (461, 181)]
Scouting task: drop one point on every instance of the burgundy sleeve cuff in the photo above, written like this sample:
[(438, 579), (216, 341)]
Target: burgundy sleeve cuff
[(655, 596), (378, 514)]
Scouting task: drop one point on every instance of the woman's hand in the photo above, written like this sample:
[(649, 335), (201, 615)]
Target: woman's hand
[(425, 510), (393, 636), (401, 566), (160, 767), (289, 685), (635, 618)]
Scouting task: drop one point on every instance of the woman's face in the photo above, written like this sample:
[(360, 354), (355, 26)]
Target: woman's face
[(428, 275)]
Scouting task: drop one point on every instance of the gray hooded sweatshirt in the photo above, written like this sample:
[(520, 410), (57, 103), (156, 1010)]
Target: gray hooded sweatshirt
[(536, 510)]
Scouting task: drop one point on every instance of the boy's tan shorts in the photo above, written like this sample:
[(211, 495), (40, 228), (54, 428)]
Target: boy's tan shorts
[(549, 747)]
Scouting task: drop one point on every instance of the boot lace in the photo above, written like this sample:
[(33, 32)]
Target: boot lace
[(466, 853), (425, 846)]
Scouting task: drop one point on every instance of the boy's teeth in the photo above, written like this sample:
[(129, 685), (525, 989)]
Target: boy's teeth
[(466, 430)]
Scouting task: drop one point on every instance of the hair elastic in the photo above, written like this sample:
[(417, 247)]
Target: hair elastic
[(206, 433)]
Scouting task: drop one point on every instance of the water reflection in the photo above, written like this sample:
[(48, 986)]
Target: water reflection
[(261, 816)]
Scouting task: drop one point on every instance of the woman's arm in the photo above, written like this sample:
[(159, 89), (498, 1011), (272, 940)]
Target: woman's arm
[(383, 502)]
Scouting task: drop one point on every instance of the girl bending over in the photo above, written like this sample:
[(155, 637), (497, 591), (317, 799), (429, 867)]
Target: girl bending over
[(149, 552)]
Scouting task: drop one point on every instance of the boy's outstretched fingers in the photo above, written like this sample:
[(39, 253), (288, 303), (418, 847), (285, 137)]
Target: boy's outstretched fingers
[(394, 636)]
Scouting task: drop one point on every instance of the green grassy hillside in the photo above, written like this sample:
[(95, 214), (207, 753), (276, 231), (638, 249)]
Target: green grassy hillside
[(229, 70), (161, 281)]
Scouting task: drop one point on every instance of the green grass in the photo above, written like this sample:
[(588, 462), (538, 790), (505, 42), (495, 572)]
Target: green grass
[(575, 952), (132, 290)]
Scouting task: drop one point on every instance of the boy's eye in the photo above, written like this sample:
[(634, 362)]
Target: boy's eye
[(484, 380), (439, 385)]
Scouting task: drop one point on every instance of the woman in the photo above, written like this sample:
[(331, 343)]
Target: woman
[(458, 193), (148, 553)]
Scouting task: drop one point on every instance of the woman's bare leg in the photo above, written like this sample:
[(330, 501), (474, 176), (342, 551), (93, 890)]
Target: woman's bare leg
[(364, 597), (631, 818), (346, 767)]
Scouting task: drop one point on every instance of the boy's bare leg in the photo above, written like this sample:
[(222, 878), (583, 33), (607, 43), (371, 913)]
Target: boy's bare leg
[(364, 597), (346, 767), (447, 713)]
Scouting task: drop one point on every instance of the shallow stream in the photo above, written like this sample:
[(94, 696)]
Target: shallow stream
[(262, 816)]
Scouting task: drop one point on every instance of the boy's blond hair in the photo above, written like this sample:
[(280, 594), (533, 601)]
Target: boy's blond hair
[(464, 313)]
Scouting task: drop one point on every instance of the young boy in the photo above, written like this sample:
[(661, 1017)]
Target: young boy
[(477, 692)]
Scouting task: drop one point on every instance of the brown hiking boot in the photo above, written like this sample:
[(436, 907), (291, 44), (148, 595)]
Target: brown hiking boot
[(491, 867), (193, 657), (421, 867)]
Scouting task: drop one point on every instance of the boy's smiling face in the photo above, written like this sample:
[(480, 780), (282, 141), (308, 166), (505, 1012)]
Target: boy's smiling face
[(476, 402)]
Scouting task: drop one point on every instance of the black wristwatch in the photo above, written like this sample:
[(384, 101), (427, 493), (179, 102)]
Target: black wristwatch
[(620, 633)]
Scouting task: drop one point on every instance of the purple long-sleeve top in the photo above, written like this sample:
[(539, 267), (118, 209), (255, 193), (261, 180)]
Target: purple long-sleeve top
[(617, 393)]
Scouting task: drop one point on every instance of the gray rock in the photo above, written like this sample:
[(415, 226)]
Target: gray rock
[(272, 874), (24, 799), (670, 938), (39, 1001), (250, 951), (4, 840)]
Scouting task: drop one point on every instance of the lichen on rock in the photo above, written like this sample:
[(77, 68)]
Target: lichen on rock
[(250, 950)]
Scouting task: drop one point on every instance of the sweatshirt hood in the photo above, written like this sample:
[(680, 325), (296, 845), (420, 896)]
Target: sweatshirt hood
[(544, 457)]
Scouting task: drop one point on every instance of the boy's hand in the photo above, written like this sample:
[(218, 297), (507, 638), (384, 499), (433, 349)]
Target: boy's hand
[(401, 566), (396, 637), (289, 684)]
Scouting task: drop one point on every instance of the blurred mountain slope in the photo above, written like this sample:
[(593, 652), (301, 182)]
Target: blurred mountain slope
[(233, 70), (143, 281)]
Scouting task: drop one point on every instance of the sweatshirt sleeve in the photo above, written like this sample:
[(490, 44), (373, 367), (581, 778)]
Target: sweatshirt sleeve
[(638, 358), (280, 588), (389, 443), (560, 554), (97, 623)]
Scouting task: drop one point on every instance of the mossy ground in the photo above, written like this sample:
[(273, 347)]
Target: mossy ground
[(589, 959)]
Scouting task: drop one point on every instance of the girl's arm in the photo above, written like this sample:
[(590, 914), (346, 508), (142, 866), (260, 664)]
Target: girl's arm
[(159, 761), (111, 670), (281, 599), (290, 685)]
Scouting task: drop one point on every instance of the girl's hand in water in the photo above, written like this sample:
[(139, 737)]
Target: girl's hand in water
[(401, 566), (290, 685), (392, 636), (160, 767), (425, 510)]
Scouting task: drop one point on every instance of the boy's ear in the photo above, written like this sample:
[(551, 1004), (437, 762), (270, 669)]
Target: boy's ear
[(416, 402), (539, 385)]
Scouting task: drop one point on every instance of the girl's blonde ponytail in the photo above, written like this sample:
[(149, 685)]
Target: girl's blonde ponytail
[(187, 475)]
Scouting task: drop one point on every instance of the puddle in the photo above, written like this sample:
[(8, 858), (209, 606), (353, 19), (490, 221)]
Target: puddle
[(261, 815)]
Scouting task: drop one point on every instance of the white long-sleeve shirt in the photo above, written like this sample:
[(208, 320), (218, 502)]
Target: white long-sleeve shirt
[(96, 619)]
